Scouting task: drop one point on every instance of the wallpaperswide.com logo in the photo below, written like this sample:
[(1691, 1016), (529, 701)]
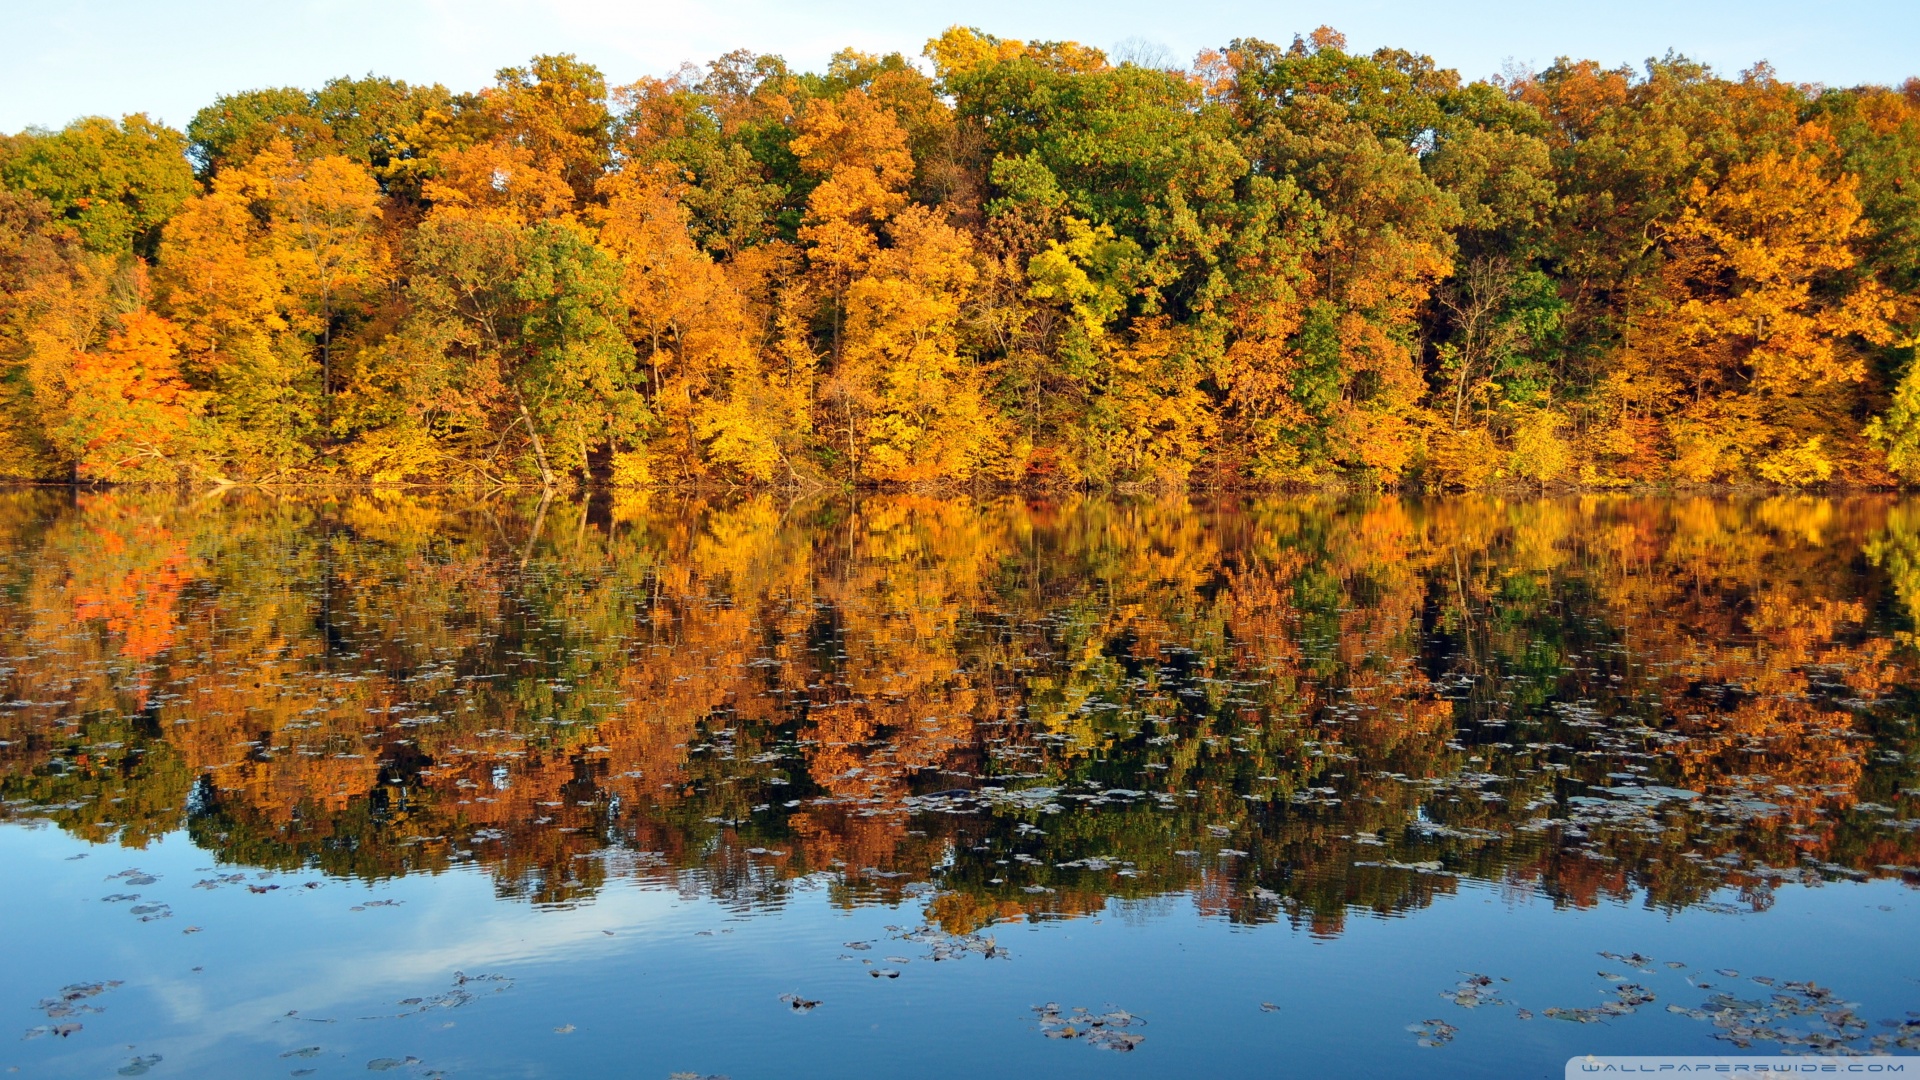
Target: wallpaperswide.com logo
[(1594, 1066)]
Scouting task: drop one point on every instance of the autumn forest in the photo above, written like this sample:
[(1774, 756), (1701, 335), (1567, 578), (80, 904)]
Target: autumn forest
[(1006, 264)]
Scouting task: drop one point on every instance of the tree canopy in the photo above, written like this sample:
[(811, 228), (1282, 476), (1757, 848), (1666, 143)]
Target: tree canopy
[(1003, 262)]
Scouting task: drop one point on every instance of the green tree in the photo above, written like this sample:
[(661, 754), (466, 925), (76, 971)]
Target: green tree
[(116, 183)]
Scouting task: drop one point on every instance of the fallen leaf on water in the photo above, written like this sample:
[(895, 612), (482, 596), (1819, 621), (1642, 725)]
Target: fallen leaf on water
[(1433, 1033), (1474, 991), (1103, 1031)]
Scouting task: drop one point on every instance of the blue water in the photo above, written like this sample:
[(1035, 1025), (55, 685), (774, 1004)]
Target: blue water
[(412, 788), (645, 995)]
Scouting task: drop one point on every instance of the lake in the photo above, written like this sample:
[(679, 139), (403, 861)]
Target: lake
[(452, 786)]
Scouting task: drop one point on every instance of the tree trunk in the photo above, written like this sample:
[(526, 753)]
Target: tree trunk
[(539, 448)]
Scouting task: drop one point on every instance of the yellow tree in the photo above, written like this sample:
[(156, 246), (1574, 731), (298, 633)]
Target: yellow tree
[(1150, 422), (260, 274), (695, 335), (499, 181), (218, 283), (326, 244), (56, 299), (1147, 419), (530, 147), (859, 153), (555, 109), (915, 402), (1758, 324)]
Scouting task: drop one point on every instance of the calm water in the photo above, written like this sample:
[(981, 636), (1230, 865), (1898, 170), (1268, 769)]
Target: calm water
[(436, 787)]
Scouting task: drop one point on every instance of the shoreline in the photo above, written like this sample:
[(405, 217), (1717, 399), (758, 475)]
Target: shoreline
[(952, 490)]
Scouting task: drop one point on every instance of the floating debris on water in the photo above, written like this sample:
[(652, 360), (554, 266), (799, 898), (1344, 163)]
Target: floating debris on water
[(1628, 997), (1802, 1017), (72, 1000), (1106, 1030), (1473, 991), (1433, 1032), (455, 998), (1635, 960)]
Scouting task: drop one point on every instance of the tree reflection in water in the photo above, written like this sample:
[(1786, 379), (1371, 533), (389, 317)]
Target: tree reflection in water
[(1290, 708)]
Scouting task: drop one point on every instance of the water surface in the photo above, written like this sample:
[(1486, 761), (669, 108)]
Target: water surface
[(755, 788)]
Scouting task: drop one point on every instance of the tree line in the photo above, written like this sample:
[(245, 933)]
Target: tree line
[(1021, 263)]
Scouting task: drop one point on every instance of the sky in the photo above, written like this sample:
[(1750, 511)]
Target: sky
[(62, 59)]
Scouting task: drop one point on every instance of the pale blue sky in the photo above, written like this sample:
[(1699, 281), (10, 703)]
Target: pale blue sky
[(66, 58)]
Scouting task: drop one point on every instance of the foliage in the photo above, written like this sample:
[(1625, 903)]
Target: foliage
[(116, 184), (1285, 265)]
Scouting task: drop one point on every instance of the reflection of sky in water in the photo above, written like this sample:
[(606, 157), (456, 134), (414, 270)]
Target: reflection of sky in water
[(656, 998), (1273, 778)]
